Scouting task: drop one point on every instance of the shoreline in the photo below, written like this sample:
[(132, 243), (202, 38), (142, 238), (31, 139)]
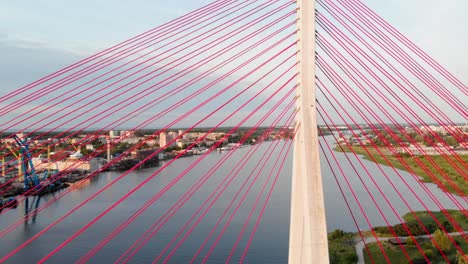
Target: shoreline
[(349, 247), (412, 163)]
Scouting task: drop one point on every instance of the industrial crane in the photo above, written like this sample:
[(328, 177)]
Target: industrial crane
[(31, 179)]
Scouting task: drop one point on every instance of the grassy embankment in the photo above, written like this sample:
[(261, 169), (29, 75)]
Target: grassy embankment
[(427, 220), (342, 244), (341, 247), (396, 254), (427, 172)]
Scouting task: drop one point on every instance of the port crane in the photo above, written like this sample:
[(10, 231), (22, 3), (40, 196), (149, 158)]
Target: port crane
[(18, 158), (31, 180)]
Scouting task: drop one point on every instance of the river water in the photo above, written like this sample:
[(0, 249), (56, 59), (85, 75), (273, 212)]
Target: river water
[(270, 244)]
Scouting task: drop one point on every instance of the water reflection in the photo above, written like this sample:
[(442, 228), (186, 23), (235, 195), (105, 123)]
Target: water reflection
[(270, 245), (31, 205)]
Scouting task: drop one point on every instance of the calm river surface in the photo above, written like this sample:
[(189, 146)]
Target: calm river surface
[(270, 245)]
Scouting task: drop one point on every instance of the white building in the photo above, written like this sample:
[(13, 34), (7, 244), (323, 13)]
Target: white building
[(165, 138), (113, 134), (127, 133)]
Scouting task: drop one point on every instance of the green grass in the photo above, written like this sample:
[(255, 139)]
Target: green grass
[(341, 247), (422, 166), (396, 255), (460, 217)]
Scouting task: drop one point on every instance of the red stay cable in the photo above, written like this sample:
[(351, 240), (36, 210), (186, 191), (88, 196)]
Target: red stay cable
[(141, 210), (413, 47), (200, 64), (106, 51), (389, 90)]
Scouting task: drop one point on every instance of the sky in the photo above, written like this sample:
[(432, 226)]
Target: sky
[(38, 37), (438, 27)]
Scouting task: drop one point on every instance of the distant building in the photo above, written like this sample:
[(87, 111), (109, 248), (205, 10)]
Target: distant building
[(173, 135), (214, 136), (152, 142), (21, 135), (341, 141), (131, 140), (12, 140), (113, 134), (193, 135), (463, 145), (8, 140), (362, 141), (417, 150), (396, 242), (127, 133), (181, 143), (165, 138)]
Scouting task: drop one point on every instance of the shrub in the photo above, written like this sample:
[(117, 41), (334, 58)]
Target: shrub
[(415, 228), (400, 230), (431, 227), (381, 229), (419, 260), (448, 226), (442, 241), (409, 241), (461, 259), (429, 253), (336, 234), (351, 257)]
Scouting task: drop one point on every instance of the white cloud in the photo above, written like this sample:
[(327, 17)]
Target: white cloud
[(437, 27), (24, 61)]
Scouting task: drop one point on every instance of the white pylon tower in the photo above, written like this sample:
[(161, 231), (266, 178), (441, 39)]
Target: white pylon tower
[(308, 231)]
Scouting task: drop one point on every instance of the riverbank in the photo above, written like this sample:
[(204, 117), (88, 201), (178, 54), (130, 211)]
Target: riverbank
[(446, 183), (396, 255), (342, 244), (17, 188)]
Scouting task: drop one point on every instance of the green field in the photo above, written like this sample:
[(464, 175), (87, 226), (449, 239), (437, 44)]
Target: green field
[(427, 219), (422, 222), (341, 247), (422, 166), (342, 244), (396, 255)]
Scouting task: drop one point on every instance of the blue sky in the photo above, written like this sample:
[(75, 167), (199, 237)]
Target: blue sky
[(38, 37), (438, 27), (58, 32)]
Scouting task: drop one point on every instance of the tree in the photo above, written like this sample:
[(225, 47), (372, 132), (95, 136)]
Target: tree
[(461, 259), (442, 241), (429, 140), (338, 233), (451, 141), (418, 138), (409, 241), (85, 151), (429, 253), (448, 226)]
